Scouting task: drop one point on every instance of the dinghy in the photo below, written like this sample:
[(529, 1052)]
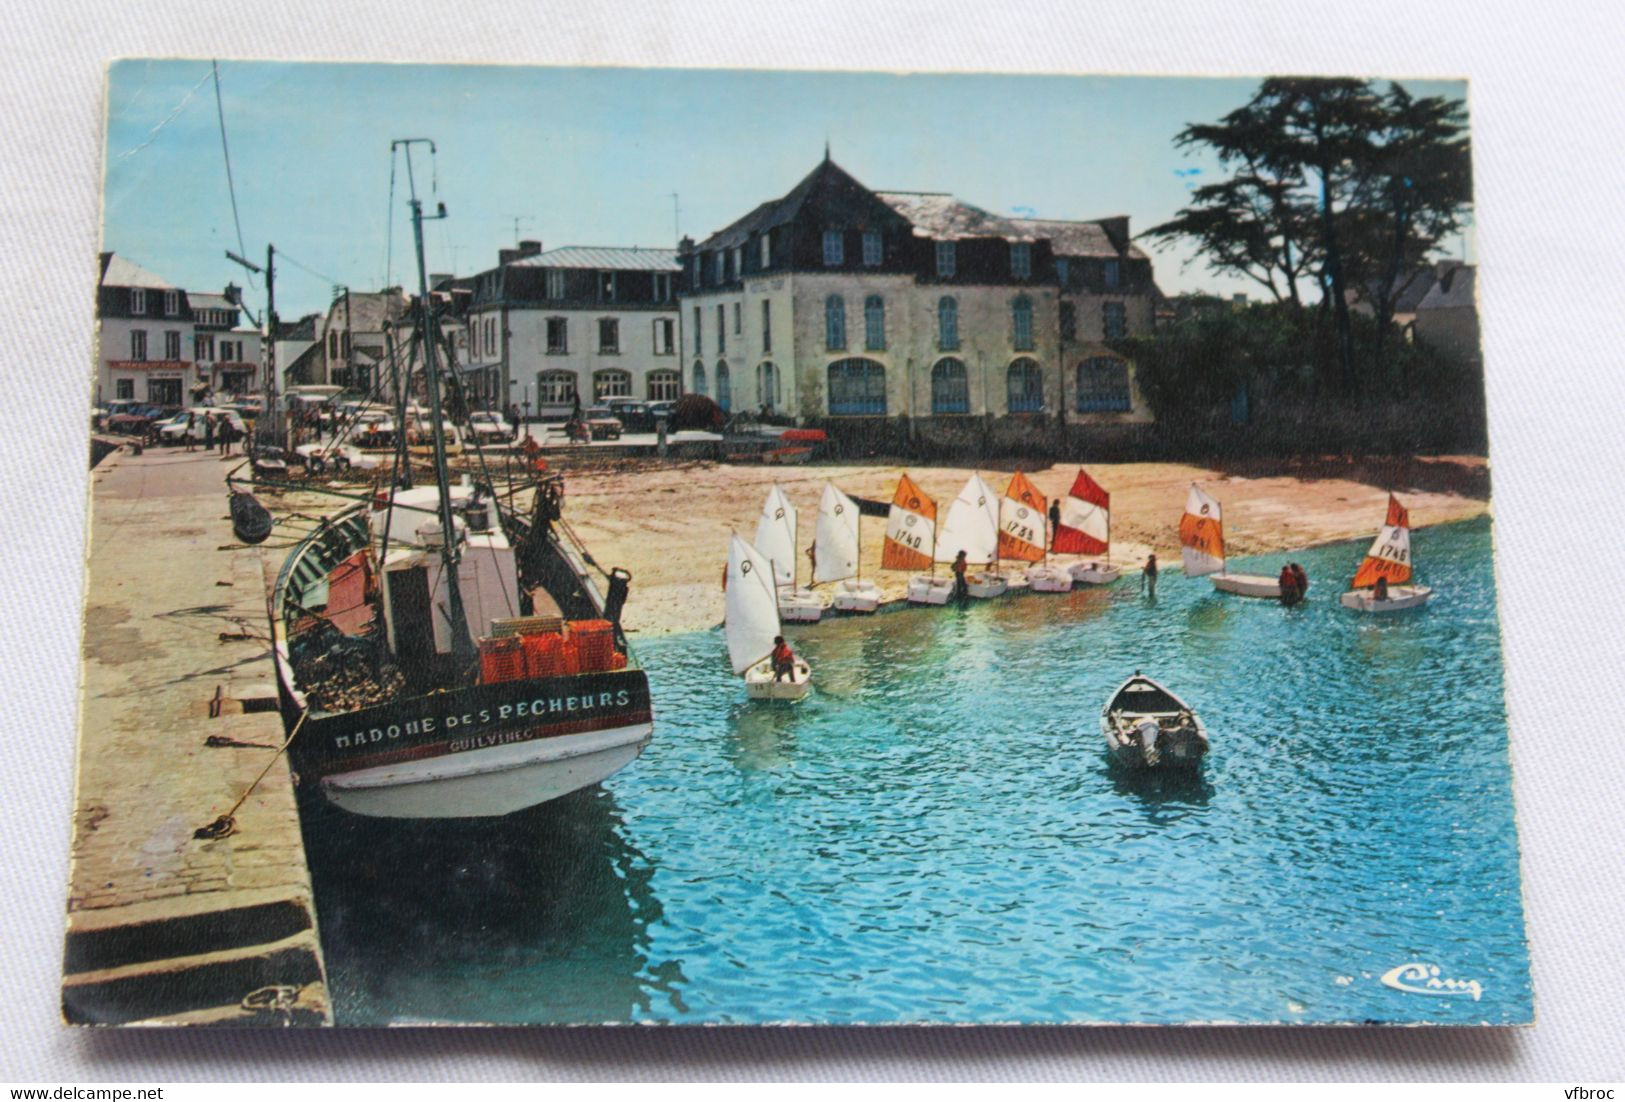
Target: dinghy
[(972, 526), (911, 533), (1389, 558), (1021, 536), (1201, 545), (835, 553), (776, 538), (1148, 727), (751, 622), (1086, 529)]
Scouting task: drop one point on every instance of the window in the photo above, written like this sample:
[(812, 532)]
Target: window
[(172, 345), (1025, 382), (203, 346), (124, 388), (1114, 273), (344, 344), (739, 262), (491, 336), (555, 388), (857, 387), (226, 351), (872, 251), (1062, 270), (611, 383), (333, 344), (1103, 385), (767, 386), (558, 336), (767, 325), (662, 286), (665, 336), (834, 249), (697, 347), (138, 300), (834, 322), (1115, 316), (606, 286), (726, 259), (164, 392), (722, 328), (172, 303), (950, 389), (874, 323), (1021, 260), (699, 377), (664, 386), (767, 249), (947, 261), (724, 390), (555, 284), (138, 344), (1069, 321), (1021, 328), (609, 336), (948, 324), (738, 321)]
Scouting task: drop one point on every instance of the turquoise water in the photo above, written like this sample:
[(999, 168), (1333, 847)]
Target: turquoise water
[(936, 835)]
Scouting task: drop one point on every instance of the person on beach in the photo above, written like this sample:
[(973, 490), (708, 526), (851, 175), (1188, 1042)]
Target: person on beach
[(961, 588), (227, 436), (1054, 520), (1149, 577), (513, 419), (784, 660)]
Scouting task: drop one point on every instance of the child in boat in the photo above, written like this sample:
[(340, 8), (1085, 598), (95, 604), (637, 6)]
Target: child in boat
[(784, 660), (1380, 593)]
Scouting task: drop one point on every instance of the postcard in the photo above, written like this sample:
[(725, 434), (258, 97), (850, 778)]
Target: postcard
[(582, 546)]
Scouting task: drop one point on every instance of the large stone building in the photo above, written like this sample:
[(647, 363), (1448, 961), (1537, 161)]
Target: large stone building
[(836, 301), (158, 343), (548, 328)]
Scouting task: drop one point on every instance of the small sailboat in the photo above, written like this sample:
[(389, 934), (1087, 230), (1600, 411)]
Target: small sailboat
[(751, 623), (911, 535), (1388, 561), (776, 538), (1086, 529), (1021, 536), (1147, 726), (1201, 545), (835, 553), (972, 526)]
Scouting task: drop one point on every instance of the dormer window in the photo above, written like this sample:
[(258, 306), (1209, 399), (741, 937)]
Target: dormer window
[(555, 284), (1021, 260), (872, 252), (947, 260), (606, 286), (138, 300), (1114, 273), (172, 303), (834, 249), (767, 249), (1062, 270)]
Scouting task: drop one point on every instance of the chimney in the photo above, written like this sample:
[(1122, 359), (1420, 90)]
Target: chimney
[(1116, 231), (685, 246), (530, 247), (507, 256)]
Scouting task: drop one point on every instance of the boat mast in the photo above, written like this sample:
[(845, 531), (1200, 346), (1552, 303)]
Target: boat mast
[(462, 646)]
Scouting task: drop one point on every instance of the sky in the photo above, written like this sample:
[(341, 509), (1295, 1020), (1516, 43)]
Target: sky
[(594, 157)]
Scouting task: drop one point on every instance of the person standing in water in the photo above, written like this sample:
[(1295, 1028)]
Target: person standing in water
[(1149, 578), (961, 588)]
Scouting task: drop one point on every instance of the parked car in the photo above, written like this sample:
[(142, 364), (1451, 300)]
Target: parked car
[(634, 414), (603, 424), (136, 420), (489, 428), (658, 410), (175, 430)]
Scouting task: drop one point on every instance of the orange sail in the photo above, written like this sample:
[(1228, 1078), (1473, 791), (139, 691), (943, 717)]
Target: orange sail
[(1201, 534), (1085, 527), (911, 529), (1390, 554), (1021, 521)]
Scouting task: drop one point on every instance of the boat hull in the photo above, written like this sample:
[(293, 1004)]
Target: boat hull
[(760, 683), (1400, 598), (800, 606), (1247, 585), (1095, 573), (1049, 579), (856, 595), (986, 586), (927, 589), (1181, 749)]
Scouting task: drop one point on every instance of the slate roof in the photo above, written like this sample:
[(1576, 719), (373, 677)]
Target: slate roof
[(1454, 289), (368, 310), (938, 215), (1076, 238), (203, 301), (603, 258), (118, 272), (779, 212)]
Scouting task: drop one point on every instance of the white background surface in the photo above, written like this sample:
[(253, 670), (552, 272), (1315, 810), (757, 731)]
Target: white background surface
[(1546, 105)]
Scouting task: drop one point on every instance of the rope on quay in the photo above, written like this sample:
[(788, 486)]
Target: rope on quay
[(226, 824)]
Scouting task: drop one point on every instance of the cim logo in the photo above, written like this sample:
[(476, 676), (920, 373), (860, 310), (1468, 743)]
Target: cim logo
[(1419, 978)]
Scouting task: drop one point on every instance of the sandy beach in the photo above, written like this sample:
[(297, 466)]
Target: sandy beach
[(669, 525)]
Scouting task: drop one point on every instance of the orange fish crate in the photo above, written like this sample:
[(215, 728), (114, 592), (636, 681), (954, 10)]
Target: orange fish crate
[(549, 654), (501, 659), (595, 644)]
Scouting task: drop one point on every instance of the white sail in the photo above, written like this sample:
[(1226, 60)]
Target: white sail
[(776, 535), (751, 608), (1201, 534), (972, 525), (835, 539)]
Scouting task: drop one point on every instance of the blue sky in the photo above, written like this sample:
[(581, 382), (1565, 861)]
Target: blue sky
[(592, 156)]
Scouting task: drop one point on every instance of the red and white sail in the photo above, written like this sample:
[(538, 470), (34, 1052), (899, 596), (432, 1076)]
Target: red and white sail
[(972, 524), (1086, 523), (1201, 534), (1021, 521), (776, 535), (911, 529), (1390, 554)]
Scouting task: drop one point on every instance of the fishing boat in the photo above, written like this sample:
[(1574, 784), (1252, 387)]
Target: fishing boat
[(776, 539), (972, 526), (836, 551), (911, 533), (1086, 529), (751, 626), (445, 650), (1389, 560), (1148, 727), (1201, 545), (1021, 536)]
